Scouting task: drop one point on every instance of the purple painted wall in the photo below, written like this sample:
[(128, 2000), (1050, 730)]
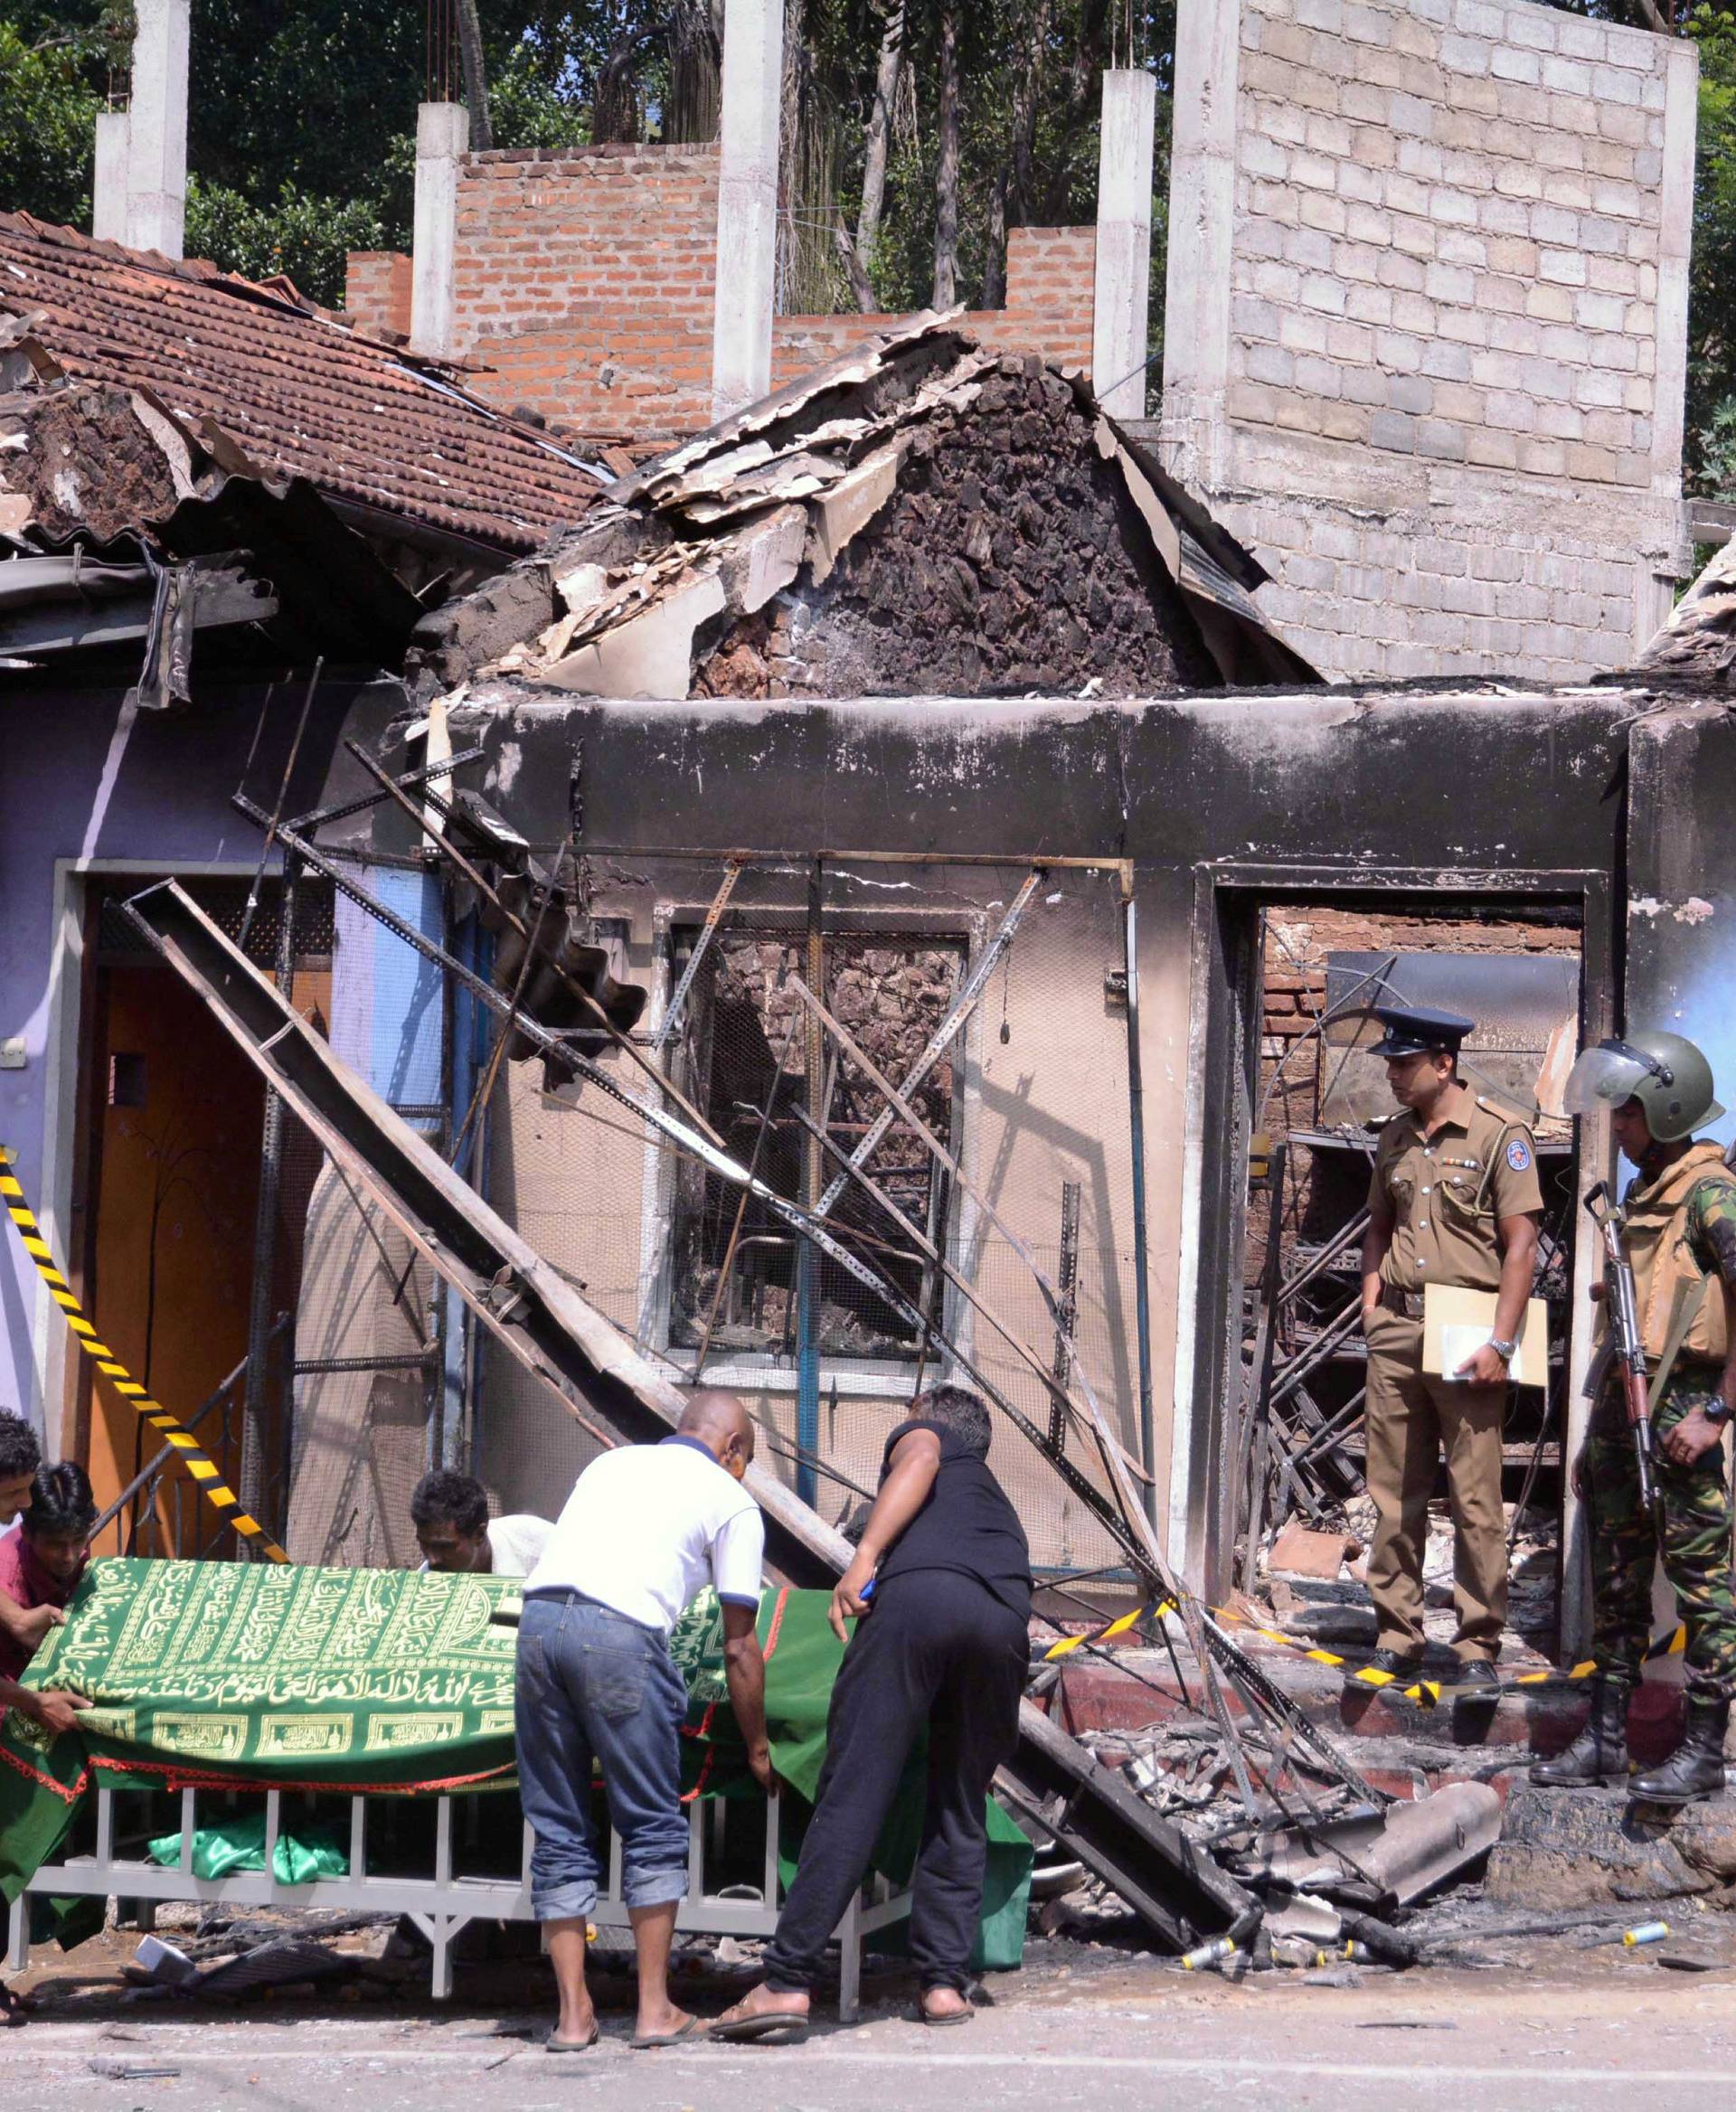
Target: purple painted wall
[(79, 784)]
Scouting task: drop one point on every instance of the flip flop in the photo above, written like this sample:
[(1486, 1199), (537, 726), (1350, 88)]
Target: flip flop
[(555, 2044), (767, 2025), (690, 2028)]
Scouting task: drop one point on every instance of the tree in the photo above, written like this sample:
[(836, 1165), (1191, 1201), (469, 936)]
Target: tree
[(53, 63), (946, 175)]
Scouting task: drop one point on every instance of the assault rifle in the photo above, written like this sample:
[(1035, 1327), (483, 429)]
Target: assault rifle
[(1624, 1346)]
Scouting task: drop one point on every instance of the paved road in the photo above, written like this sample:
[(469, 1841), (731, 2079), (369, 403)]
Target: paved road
[(1618, 2035)]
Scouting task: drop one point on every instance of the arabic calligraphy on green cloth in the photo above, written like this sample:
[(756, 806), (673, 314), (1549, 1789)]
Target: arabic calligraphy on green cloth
[(241, 1674)]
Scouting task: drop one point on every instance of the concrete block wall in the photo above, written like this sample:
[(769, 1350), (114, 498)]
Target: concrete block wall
[(1425, 343), (585, 278)]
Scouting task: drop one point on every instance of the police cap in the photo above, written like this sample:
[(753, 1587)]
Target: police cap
[(1412, 1030)]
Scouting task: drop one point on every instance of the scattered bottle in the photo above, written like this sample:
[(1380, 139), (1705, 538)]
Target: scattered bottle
[(1206, 1955)]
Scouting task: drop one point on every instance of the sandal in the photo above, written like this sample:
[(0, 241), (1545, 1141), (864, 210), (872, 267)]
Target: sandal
[(688, 2028), (767, 2024), (555, 2043), (938, 2021)]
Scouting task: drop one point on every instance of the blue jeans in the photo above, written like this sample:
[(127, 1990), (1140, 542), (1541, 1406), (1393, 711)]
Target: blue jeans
[(594, 1686)]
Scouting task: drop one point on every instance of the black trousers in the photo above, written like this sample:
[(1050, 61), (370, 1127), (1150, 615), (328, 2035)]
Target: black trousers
[(940, 1653)]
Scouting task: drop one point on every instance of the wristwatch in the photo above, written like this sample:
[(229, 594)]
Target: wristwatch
[(1505, 1351), (1716, 1410)]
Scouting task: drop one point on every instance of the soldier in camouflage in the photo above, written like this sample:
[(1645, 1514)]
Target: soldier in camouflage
[(1679, 1231)]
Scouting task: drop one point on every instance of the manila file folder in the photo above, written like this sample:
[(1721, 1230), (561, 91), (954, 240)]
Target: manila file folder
[(1456, 1322)]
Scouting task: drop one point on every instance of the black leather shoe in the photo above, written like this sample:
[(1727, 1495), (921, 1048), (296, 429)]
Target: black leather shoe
[(1397, 1664), (1600, 1753), (1477, 1678)]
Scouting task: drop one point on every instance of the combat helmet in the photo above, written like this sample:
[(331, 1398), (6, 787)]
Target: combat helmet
[(1665, 1073)]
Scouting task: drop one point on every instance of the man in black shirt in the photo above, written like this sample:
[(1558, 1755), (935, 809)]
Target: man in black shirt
[(940, 1592)]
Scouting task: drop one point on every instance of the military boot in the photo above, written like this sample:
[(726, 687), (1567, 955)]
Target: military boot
[(1600, 1753), (1697, 1767)]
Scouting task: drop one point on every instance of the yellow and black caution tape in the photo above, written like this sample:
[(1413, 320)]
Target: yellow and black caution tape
[(207, 1476), (1107, 1633), (1425, 1693)]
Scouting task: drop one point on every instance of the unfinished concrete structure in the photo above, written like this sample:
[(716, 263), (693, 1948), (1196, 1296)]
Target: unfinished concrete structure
[(1426, 323)]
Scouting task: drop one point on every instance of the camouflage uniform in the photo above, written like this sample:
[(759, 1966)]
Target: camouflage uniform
[(1696, 1500)]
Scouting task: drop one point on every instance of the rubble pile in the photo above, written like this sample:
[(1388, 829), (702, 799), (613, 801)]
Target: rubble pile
[(1008, 558)]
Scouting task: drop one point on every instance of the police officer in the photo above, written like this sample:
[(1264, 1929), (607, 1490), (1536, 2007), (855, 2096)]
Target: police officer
[(1453, 1199), (1679, 1232)]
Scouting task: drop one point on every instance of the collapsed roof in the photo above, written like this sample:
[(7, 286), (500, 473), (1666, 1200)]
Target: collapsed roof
[(1696, 645), (129, 530), (919, 517), (388, 439)]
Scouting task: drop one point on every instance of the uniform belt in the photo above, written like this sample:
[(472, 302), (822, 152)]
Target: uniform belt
[(1409, 1303)]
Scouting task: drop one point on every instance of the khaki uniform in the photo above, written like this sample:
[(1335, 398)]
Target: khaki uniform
[(1444, 1194)]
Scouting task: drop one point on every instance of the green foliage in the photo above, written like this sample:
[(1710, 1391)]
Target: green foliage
[(304, 237), (1711, 448), (528, 109), (53, 63), (302, 112)]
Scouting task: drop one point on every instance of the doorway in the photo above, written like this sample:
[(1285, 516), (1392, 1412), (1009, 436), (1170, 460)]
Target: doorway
[(1291, 1106), (163, 1230)]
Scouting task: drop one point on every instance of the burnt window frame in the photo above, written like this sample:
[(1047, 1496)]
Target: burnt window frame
[(678, 924)]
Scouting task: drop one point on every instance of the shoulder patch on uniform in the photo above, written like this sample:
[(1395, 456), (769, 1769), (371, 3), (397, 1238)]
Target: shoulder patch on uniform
[(1518, 1154)]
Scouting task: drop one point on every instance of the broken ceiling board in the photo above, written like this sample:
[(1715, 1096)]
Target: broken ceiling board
[(848, 508), (1041, 580), (1164, 539), (764, 559), (649, 656), (583, 587), (1697, 642)]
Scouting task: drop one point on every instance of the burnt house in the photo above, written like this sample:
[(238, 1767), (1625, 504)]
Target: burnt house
[(211, 492)]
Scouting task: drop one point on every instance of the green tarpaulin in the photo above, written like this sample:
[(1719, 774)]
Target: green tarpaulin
[(244, 1675)]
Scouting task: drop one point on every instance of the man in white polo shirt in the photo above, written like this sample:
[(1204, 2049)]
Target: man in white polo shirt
[(645, 1530)]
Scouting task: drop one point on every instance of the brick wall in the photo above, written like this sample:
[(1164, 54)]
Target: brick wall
[(1427, 328), (585, 281), (1050, 281), (376, 289)]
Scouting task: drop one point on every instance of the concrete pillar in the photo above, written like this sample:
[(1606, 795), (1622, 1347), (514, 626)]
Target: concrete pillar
[(108, 178), (1121, 307), (157, 128), (747, 203), (442, 136), (1202, 220), (1654, 584)]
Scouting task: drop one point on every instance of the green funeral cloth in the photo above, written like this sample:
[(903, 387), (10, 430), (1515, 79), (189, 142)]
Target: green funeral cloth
[(254, 1675), (310, 1853)]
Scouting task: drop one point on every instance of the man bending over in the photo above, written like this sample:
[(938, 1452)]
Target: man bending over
[(941, 1646), (645, 1530)]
